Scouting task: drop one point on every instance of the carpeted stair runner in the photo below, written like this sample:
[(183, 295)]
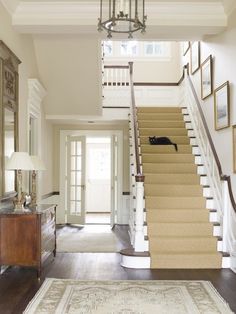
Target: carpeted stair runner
[(179, 232)]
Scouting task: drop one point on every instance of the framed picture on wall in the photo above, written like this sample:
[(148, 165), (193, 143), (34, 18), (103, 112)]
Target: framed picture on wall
[(234, 147), (185, 47), (222, 106), (195, 56), (206, 78)]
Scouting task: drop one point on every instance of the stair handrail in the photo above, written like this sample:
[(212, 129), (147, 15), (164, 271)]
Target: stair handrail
[(223, 177), (135, 124), (138, 182), (227, 208)]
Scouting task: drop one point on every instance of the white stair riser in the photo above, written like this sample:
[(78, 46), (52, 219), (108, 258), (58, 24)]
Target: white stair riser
[(210, 204), (198, 160), (191, 133), (217, 231), (220, 246), (204, 180), (184, 111), (201, 170), (193, 141), (207, 192), (135, 262), (195, 150), (186, 118), (226, 262), (188, 126)]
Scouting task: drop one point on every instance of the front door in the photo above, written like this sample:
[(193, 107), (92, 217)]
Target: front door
[(76, 148)]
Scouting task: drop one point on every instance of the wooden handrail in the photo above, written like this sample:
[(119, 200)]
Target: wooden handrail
[(223, 177), (116, 67), (139, 176)]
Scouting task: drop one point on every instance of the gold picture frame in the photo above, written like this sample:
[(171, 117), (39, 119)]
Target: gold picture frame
[(234, 147), (206, 78), (222, 106), (195, 56)]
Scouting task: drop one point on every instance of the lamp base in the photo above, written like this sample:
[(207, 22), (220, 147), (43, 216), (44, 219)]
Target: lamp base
[(19, 208)]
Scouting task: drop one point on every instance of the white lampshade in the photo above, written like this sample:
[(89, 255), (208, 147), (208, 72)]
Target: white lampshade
[(37, 163), (19, 161)]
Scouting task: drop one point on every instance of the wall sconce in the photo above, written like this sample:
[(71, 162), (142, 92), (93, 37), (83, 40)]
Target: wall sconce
[(19, 161), (38, 165)]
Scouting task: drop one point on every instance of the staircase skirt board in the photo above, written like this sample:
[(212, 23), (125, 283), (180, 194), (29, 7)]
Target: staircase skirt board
[(179, 231)]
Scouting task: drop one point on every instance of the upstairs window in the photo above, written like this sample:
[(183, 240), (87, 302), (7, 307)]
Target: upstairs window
[(129, 48), (157, 49), (107, 48), (137, 50)]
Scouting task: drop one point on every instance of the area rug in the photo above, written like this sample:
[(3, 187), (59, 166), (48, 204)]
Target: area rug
[(58, 296), (80, 242)]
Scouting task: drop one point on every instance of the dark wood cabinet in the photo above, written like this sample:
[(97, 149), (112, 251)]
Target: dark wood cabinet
[(28, 238)]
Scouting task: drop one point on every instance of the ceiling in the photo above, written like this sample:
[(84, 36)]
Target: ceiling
[(166, 19), (59, 27)]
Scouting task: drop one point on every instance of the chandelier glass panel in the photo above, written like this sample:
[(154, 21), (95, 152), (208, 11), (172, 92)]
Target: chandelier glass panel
[(122, 16)]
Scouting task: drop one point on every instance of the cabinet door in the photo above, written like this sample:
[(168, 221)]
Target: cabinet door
[(19, 240)]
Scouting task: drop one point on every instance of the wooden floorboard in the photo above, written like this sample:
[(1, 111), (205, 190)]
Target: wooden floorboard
[(19, 285)]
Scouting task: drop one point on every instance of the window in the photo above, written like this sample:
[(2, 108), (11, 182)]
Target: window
[(129, 48), (107, 48), (157, 49), (137, 50)]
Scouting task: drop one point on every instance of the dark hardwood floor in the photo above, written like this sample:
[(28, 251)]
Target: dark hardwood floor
[(19, 285)]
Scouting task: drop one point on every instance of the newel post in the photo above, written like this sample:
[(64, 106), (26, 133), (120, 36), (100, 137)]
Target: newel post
[(139, 245)]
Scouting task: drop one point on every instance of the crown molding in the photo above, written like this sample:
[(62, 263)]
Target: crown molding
[(81, 16)]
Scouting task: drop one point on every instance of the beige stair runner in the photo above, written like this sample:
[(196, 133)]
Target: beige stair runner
[(179, 232)]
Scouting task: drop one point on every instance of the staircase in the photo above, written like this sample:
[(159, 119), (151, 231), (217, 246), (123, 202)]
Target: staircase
[(178, 228)]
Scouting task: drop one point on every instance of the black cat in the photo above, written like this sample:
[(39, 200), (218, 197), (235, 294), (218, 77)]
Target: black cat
[(155, 140)]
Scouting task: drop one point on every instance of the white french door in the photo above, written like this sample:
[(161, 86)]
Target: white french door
[(76, 150)]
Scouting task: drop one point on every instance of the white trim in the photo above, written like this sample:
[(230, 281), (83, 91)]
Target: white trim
[(137, 262), (35, 96), (98, 133)]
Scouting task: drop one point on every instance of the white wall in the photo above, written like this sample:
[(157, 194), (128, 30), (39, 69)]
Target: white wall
[(223, 50), (23, 47), (70, 68)]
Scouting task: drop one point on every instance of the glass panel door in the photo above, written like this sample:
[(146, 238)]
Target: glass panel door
[(76, 180)]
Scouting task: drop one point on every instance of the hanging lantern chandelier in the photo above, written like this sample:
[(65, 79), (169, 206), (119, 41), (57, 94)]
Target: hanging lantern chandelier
[(122, 16)]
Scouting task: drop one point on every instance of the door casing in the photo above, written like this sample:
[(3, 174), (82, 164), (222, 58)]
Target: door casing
[(90, 133)]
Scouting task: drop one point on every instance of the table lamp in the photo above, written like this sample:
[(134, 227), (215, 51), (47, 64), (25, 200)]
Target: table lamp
[(19, 161), (38, 165)]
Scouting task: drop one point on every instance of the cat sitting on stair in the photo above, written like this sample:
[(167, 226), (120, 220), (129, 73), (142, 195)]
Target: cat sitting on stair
[(155, 140)]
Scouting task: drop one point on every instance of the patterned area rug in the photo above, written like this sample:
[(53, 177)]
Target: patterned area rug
[(62, 296)]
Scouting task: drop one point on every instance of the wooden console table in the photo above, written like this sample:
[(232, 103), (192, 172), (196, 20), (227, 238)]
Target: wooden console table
[(28, 238)]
